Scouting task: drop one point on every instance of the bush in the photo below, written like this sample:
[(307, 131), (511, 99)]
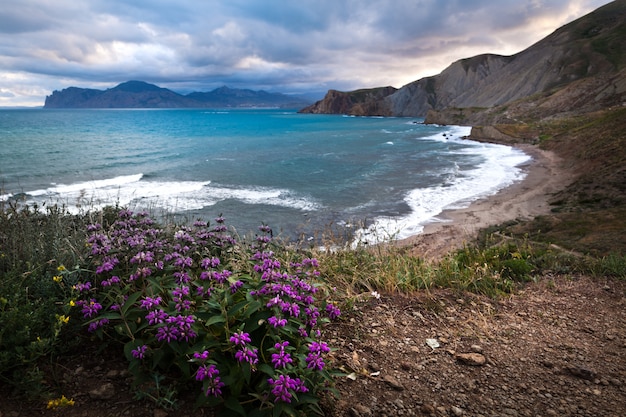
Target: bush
[(36, 291), (193, 304)]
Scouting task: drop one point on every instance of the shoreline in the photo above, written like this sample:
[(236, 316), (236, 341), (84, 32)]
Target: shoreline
[(525, 199)]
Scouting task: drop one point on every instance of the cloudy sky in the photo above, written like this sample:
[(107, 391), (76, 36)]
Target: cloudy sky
[(289, 46)]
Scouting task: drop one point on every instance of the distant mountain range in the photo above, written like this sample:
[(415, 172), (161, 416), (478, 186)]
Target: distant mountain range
[(578, 68), (140, 94)]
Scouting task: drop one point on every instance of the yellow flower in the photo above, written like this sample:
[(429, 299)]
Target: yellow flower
[(72, 303), (57, 278), (61, 268), (60, 402), (63, 318)]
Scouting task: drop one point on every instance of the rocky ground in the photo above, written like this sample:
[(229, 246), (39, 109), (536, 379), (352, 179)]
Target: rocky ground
[(556, 348)]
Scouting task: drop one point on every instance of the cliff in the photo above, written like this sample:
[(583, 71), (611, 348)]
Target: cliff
[(587, 52), (139, 94), (365, 102)]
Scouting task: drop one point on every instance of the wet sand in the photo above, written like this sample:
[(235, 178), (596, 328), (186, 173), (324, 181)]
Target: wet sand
[(523, 200)]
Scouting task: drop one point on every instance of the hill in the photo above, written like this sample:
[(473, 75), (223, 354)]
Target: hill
[(587, 52), (139, 94)]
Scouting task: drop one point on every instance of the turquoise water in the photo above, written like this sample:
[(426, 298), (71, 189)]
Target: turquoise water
[(295, 172)]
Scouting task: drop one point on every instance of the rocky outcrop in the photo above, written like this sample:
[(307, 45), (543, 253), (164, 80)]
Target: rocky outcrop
[(588, 53), (366, 102), (139, 94)]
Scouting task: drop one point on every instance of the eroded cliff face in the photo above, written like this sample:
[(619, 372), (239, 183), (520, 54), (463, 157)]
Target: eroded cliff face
[(366, 102)]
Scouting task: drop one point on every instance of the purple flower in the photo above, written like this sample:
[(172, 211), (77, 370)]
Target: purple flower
[(282, 358), (108, 282), (284, 385), (276, 322), (142, 257), (139, 352), (150, 303), (315, 361), (183, 262), (333, 311), (156, 317), (314, 358), (81, 287), (214, 387), (235, 286), (240, 338), (91, 308), (167, 333), (107, 265), (206, 371), (202, 356), (93, 326), (319, 347), (207, 263), (248, 355), (182, 277)]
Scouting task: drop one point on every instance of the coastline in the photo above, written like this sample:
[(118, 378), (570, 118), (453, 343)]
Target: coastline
[(524, 199)]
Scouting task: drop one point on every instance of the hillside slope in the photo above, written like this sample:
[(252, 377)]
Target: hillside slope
[(588, 50)]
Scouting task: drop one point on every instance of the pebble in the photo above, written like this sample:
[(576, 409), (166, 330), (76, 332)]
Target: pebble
[(457, 411), (472, 359), (104, 392), (393, 383), (360, 410)]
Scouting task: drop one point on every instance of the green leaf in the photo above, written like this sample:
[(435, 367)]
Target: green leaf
[(233, 404), (267, 369), (234, 309), (215, 320), (130, 301)]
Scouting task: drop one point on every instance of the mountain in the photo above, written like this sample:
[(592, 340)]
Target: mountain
[(139, 94), (587, 53)]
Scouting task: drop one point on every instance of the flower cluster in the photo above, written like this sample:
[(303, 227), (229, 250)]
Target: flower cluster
[(165, 293)]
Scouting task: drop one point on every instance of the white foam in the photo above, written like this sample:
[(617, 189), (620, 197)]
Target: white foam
[(499, 170), (133, 191)]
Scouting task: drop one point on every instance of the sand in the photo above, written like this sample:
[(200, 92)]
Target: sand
[(524, 199)]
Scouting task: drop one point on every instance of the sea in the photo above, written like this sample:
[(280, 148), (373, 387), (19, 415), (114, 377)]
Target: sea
[(374, 178)]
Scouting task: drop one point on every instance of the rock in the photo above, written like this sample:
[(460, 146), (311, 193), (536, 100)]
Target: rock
[(360, 410), (472, 359), (457, 411), (476, 348), (581, 372), (104, 392), (393, 383), (160, 413)]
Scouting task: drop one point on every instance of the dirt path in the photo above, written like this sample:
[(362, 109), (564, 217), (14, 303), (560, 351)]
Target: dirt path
[(558, 348)]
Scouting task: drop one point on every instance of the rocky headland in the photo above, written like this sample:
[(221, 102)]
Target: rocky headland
[(139, 94)]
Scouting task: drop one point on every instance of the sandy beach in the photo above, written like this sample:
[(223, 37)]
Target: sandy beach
[(525, 199)]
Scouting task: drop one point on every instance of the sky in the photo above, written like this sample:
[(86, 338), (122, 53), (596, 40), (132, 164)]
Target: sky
[(288, 46)]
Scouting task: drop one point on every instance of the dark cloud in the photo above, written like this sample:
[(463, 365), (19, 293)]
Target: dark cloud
[(278, 45)]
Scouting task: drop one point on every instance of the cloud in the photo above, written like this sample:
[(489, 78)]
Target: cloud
[(308, 45)]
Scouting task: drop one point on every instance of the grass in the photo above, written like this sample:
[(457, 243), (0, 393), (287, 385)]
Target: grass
[(37, 323)]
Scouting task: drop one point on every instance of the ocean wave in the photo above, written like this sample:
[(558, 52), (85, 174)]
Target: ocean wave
[(500, 169), (176, 196)]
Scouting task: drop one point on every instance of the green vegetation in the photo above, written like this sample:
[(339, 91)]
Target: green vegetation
[(62, 275)]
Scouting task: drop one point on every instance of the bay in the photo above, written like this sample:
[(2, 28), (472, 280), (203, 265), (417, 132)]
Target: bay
[(298, 173)]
